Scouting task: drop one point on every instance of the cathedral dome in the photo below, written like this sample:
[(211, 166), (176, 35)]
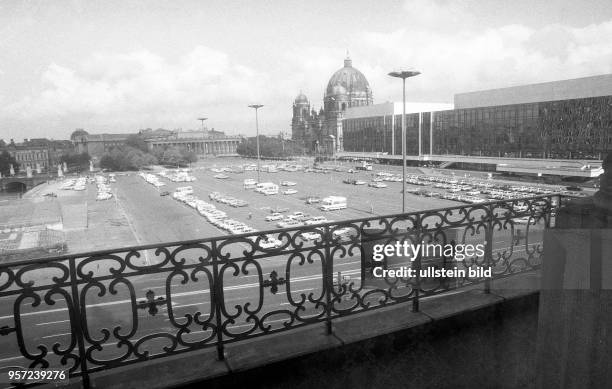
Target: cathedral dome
[(350, 83), (301, 99)]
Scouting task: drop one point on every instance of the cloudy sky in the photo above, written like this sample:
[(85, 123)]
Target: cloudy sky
[(121, 65)]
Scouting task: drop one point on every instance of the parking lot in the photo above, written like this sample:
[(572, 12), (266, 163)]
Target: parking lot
[(217, 191), (145, 213)]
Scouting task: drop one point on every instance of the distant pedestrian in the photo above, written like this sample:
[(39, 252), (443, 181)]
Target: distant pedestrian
[(250, 216)]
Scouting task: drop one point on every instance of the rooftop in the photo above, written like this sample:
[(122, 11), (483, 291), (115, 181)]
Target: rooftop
[(577, 88), (394, 108)]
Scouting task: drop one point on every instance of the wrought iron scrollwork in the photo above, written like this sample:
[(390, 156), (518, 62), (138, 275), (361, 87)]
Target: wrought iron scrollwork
[(151, 303), (273, 282), (5, 330)]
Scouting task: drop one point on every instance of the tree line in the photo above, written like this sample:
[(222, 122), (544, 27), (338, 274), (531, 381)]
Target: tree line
[(6, 160), (135, 155), (273, 147)]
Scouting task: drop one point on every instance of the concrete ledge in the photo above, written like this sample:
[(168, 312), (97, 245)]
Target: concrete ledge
[(164, 372), (517, 286), (273, 348), (443, 306), (382, 321)]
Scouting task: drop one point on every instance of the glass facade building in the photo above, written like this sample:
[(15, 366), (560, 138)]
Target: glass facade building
[(566, 128), (576, 128)]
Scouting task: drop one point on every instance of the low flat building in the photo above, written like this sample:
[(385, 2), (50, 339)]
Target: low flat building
[(204, 142)]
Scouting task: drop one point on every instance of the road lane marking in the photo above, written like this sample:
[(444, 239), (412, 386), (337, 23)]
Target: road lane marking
[(52, 336), (53, 322), (174, 295), (301, 290), (159, 287), (11, 358), (189, 305), (268, 322)]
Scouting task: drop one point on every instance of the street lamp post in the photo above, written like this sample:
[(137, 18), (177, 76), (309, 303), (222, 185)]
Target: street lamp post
[(202, 120), (256, 107), (403, 74)]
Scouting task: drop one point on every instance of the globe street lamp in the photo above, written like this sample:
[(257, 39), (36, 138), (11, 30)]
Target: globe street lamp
[(404, 74), (256, 107)]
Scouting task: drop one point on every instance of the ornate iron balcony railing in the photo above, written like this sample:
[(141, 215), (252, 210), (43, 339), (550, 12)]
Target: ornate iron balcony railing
[(96, 311)]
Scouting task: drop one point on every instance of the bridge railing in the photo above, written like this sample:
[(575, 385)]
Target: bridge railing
[(96, 311)]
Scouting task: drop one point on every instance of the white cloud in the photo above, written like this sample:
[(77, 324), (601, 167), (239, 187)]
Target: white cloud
[(108, 91), (142, 87), (468, 58)]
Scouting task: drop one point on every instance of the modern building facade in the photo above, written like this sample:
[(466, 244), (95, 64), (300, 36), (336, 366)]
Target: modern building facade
[(378, 127), (323, 131), (566, 119)]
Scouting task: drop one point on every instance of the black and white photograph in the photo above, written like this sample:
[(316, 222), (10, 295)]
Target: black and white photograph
[(285, 194)]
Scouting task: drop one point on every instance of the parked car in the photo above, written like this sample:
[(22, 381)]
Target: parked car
[(274, 217), (313, 200)]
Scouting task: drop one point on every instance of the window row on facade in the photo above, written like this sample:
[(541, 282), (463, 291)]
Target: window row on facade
[(578, 128)]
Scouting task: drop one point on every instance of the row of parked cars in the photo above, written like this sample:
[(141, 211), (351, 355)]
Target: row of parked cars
[(178, 175), (298, 219), (351, 181), (229, 200), (475, 191), (104, 189), (77, 184), (220, 219), (152, 179)]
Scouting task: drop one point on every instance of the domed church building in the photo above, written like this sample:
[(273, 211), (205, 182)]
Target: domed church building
[(322, 131)]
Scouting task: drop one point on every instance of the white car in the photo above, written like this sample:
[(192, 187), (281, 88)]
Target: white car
[(317, 220), (274, 217), (342, 233), (288, 224), (288, 183), (522, 220), (269, 242), (310, 235), (377, 185), (289, 192)]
